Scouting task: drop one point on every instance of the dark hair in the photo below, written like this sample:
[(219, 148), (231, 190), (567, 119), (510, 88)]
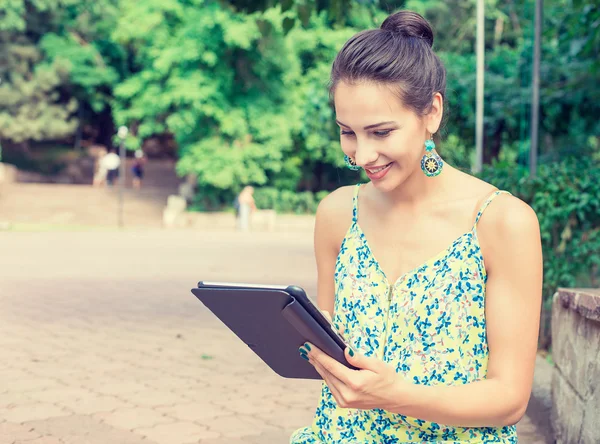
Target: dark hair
[(398, 54)]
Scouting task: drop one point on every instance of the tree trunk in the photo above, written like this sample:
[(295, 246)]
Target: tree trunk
[(493, 148), (106, 127), (318, 175), (24, 147)]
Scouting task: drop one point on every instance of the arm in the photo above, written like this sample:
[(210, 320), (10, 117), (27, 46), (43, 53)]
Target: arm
[(510, 238), (333, 218)]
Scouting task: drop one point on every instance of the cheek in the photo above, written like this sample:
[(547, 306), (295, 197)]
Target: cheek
[(401, 148), (348, 145)]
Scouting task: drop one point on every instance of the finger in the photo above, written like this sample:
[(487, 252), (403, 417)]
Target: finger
[(333, 384), (321, 371), (328, 377), (340, 371), (363, 362)]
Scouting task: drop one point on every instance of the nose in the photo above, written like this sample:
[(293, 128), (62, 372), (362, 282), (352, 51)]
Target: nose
[(365, 154)]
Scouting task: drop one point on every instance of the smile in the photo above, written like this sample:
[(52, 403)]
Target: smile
[(377, 169), (378, 173)]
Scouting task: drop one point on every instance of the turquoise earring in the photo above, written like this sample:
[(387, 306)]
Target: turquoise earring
[(350, 163), (431, 163)]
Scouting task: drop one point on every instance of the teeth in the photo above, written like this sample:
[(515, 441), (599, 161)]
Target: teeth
[(378, 169)]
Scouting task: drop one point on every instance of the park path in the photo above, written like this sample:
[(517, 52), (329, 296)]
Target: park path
[(84, 205)]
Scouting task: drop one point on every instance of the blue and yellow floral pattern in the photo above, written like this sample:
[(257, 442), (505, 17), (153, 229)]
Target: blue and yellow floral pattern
[(429, 324)]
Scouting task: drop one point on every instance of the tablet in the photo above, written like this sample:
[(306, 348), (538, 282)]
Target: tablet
[(274, 321)]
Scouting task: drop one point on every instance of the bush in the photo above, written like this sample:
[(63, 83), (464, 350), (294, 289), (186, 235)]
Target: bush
[(285, 201), (566, 197)]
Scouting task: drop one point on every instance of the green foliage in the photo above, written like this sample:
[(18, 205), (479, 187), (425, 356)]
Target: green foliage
[(285, 201), (55, 60), (266, 198), (244, 94), (47, 159), (211, 78), (33, 108), (566, 197), (242, 86), (86, 67)]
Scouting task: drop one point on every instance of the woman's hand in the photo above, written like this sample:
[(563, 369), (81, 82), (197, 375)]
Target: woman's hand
[(374, 385)]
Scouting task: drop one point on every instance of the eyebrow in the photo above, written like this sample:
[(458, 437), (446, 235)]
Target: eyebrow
[(375, 125)]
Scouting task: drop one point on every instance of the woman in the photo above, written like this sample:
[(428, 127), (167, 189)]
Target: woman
[(99, 168), (245, 205), (433, 276)]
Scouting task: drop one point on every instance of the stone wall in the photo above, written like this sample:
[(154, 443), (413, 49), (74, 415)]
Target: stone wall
[(576, 378)]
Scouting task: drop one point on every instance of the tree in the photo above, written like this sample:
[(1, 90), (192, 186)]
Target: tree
[(33, 107), (52, 63)]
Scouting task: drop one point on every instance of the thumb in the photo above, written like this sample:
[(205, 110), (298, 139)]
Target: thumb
[(361, 361)]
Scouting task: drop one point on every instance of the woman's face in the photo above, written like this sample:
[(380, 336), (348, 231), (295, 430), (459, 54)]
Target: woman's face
[(380, 134)]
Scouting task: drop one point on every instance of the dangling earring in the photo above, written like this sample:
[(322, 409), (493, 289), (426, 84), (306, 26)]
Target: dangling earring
[(431, 163), (350, 163)]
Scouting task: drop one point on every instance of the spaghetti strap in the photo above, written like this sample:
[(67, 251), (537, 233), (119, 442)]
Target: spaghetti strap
[(486, 203), (355, 205)]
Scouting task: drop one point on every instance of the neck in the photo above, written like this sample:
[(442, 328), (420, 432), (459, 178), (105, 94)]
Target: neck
[(418, 188)]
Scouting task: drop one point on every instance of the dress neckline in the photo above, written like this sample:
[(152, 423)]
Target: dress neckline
[(363, 238)]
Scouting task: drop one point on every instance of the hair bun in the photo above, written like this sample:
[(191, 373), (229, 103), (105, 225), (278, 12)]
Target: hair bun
[(409, 24)]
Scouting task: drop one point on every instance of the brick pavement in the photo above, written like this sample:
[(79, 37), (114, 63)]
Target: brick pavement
[(103, 343)]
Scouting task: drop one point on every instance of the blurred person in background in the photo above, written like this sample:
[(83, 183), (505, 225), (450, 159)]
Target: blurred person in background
[(138, 169), (100, 171), (244, 205), (111, 163)]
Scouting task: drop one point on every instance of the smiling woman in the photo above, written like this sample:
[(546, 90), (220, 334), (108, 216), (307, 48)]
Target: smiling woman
[(435, 282)]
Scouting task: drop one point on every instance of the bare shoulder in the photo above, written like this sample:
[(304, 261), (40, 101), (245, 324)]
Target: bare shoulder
[(508, 227), (334, 214), (508, 215)]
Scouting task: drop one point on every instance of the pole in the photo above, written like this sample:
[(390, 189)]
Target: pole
[(122, 133), (479, 88), (535, 87), (121, 181)]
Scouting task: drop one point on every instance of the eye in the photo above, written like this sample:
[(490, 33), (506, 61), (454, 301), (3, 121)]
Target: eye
[(346, 133), (383, 133)]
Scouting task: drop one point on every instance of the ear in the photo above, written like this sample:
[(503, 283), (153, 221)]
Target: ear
[(434, 118)]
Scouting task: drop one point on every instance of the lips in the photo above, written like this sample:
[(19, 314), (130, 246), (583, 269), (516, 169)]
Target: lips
[(377, 169), (376, 173)]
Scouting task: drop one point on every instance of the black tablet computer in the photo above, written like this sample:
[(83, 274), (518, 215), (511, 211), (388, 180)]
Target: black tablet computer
[(274, 321)]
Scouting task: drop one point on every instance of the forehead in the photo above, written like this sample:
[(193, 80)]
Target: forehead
[(365, 103)]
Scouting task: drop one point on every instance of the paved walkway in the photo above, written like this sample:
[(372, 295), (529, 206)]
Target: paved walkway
[(103, 343)]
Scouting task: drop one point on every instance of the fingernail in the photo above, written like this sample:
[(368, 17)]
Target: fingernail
[(350, 352), (302, 350), (304, 356), (307, 346)]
